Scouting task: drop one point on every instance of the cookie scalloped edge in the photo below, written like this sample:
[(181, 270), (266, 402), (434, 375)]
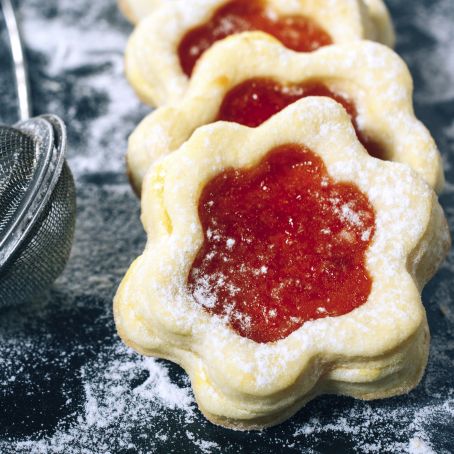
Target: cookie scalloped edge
[(378, 350), (136, 10), (152, 62)]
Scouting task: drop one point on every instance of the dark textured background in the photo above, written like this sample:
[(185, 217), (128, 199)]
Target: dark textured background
[(66, 382)]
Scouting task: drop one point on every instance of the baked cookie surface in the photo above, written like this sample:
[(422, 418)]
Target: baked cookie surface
[(136, 10), (377, 349), (165, 47), (246, 78)]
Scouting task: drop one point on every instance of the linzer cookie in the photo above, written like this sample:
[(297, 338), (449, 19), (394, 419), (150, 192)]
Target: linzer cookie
[(137, 10), (283, 262), (165, 48), (248, 78)]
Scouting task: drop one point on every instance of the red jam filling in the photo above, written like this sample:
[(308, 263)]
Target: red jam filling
[(283, 244), (295, 32), (254, 101)]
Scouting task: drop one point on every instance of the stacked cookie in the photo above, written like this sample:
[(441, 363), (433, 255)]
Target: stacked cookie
[(289, 195)]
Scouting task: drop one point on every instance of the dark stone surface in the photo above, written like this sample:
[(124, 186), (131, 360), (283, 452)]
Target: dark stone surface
[(66, 382)]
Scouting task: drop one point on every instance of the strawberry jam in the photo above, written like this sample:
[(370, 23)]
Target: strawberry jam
[(283, 244), (254, 101), (295, 32)]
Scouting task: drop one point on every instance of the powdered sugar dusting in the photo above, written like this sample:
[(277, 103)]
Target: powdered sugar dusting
[(69, 386), (84, 59), (418, 446)]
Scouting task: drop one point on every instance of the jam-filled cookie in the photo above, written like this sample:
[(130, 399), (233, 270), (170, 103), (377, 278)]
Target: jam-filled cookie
[(249, 77), (283, 262), (136, 10), (164, 49)]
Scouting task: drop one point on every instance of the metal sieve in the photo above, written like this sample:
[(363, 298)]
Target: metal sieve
[(37, 193)]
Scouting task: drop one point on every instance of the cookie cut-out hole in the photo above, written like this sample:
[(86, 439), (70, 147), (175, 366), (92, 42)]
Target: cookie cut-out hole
[(256, 100), (298, 33), (283, 244)]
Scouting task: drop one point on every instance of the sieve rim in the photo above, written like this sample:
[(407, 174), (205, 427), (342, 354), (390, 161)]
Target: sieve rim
[(50, 157)]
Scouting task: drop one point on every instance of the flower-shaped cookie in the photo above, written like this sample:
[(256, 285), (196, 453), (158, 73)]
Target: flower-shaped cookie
[(165, 47), (136, 10), (369, 79), (283, 262)]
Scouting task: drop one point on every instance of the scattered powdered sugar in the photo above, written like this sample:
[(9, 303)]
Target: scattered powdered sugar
[(418, 446), (68, 385), (204, 446), (82, 77), (113, 408)]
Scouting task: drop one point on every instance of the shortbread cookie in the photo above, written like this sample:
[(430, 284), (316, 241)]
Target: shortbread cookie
[(248, 77), (165, 47), (136, 10), (283, 262)]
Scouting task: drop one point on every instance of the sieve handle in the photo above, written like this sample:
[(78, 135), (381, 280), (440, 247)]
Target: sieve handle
[(20, 64)]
